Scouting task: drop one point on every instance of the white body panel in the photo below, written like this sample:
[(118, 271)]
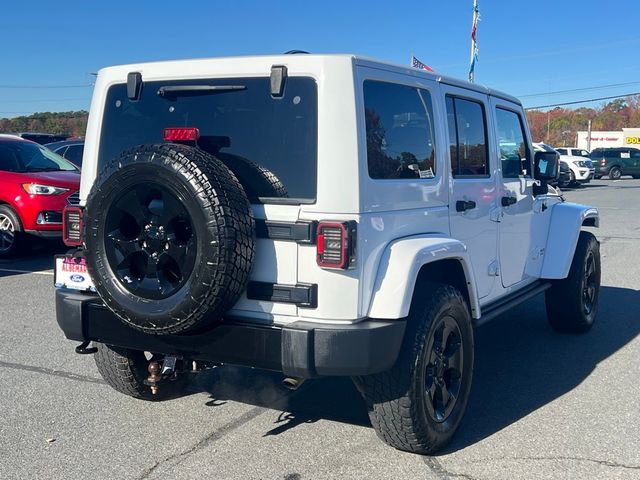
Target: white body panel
[(566, 219), (399, 269)]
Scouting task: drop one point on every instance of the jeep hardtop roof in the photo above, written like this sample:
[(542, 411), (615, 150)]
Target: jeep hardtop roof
[(201, 67)]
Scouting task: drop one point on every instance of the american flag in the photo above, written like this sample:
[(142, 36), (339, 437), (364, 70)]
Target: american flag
[(474, 44), (415, 63)]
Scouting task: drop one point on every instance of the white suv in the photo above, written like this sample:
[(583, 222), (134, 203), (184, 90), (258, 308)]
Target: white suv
[(582, 169), (314, 215)]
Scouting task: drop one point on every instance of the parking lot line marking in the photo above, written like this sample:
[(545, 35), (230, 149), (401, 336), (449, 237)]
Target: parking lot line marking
[(37, 272)]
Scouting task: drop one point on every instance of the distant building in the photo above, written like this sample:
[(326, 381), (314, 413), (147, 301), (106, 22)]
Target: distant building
[(628, 137)]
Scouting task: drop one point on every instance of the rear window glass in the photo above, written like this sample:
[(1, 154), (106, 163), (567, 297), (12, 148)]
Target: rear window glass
[(260, 138)]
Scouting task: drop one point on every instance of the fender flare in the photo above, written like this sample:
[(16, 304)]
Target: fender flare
[(564, 228), (399, 267)]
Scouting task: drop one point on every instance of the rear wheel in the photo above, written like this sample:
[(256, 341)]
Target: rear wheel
[(126, 371), (615, 173), (418, 404), (12, 238), (572, 303)]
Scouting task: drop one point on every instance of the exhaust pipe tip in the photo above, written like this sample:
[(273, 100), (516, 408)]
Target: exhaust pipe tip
[(292, 383)]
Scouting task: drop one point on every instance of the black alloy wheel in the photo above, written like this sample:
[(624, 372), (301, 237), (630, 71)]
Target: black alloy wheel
[(572, 302), (169, 238), (590, 284), (443, 373), (150, 241)]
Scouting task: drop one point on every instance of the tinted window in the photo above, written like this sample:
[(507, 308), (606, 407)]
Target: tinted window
[(60, 151), (30, 157), (74, 154), (562, 151), (261, 138), (399, 131), (515, 158), (467, 137)]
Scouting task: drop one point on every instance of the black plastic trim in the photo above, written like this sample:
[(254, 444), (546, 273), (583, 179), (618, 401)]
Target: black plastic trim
[(301, 232), (301, 294), (502, 305), (304, 349), (134, 85)]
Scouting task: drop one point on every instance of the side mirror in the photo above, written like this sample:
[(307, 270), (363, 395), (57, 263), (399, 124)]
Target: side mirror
[(546, 166)]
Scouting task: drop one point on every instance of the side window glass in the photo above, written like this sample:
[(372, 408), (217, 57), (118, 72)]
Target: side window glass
[(399, 126), (469, 158), (74, 154), (61, 151), (515, 158)]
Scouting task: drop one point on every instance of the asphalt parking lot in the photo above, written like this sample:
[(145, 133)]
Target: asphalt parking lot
[(543, 405)]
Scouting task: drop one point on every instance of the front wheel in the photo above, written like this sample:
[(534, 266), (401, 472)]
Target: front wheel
[(12, 238), (418, 404), (572, 303)]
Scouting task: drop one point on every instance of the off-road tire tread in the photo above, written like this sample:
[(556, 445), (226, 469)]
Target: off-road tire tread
[(563, 300), (229, 217), (273, 183), (393, 411)]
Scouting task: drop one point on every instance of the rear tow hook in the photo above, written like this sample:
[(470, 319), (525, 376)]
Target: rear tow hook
[(83, 350), (157, 374)]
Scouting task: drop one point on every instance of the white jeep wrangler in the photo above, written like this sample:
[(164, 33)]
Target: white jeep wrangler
[(315, 215)]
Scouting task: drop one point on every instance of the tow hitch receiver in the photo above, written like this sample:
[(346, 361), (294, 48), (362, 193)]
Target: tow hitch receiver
[(158, 372)]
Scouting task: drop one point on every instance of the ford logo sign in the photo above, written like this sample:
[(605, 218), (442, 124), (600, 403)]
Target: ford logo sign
[(77, 278)]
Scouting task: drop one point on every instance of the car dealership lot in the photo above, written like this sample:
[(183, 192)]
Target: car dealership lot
[(543, 405)]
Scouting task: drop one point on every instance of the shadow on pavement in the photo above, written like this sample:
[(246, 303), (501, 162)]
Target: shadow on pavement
[(37, 258), (521, 365)]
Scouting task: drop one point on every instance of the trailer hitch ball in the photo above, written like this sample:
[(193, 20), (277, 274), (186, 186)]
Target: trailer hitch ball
[(154, 376)]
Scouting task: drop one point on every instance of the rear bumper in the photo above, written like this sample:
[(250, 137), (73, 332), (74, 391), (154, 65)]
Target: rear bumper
[(301, 349)]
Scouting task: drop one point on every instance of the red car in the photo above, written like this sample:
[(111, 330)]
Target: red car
[(35, 185)]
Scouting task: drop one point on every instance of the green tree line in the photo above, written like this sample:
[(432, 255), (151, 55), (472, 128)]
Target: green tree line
[(73, 124)]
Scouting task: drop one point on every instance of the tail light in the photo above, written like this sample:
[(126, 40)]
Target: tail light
[(336, 244), (181, 134), (72, 221)]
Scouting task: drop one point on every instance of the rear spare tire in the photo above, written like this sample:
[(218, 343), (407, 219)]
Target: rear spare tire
[(169, 238)]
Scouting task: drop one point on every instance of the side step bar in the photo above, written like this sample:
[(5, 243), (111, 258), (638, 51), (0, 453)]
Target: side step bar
[(503, 305)]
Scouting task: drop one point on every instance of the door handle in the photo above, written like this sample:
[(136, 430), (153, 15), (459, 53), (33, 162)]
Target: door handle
[(464, 205), (506, 201)]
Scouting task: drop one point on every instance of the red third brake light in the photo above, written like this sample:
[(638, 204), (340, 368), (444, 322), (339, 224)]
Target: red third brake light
[(181, 134), (336, 244)]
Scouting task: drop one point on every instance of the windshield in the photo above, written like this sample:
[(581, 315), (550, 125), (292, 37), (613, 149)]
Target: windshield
[(254, 134), (26, 157)]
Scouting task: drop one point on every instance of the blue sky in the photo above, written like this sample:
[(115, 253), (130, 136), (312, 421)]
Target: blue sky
[(526, 48)]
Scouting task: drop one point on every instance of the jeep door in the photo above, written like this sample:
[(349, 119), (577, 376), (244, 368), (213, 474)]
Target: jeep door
[(514, 159), (472, 207)]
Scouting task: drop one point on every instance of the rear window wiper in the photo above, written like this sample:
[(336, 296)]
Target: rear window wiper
[(192, 90)]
